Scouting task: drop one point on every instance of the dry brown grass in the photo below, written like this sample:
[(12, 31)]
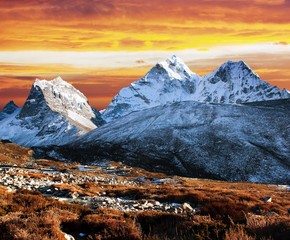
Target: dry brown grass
[(226, 216), (237, 233), (22, 226), (57, 165), (227, 210), (11, 153), (29, 215)]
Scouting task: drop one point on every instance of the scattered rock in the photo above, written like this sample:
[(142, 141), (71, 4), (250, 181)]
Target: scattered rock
[(68, 236), (267, 199), (187, 207)]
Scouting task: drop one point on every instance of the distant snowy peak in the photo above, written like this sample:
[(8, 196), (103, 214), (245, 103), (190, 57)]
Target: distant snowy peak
[(10, 108), (61, 97), (238, 72), (172, 68), (172, 81), (168, 81), (235, 82), (54, 113)]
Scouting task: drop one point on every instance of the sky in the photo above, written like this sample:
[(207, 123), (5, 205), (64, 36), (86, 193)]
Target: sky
[(101, 46)]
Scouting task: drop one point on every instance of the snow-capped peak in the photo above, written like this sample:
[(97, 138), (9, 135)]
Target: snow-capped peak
[(58, 81), (54, 113), (231, 70), (232, 82), (168, 81), (173, 68), (61, 97), (235, 82)]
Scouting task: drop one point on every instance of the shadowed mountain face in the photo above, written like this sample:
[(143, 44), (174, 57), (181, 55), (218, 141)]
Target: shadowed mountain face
[(231, 142), (54, 113), (8, 110), (172, 81)]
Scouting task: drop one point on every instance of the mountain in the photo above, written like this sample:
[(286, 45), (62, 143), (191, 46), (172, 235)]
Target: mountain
[(235, 82), (245, 142), (172, 81), (54, 113), (9, 109)]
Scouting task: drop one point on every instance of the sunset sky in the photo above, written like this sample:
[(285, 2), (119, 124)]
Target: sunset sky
[(101, 46)]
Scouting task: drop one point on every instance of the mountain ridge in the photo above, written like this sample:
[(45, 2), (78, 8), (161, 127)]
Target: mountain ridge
[(172, 81), (208, 140)]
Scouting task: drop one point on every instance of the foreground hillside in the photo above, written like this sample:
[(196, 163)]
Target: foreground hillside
[(46, 199)]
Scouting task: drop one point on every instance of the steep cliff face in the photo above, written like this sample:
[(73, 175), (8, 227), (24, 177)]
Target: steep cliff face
[(54, 113)]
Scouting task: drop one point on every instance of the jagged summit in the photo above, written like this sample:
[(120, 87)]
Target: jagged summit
[(57, 95), (233, 71), (10, 107), (232, 82), (54, 113), (173, 68), (168, 81), (236, 82)]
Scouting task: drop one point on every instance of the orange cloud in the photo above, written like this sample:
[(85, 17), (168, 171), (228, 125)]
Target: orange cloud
[(271, 2), (140, 25)]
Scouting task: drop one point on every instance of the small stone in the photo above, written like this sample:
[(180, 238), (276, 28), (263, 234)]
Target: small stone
[(74, 195), (157, 203), (150, 205), (68, 237), (187, 207), (267, 199)]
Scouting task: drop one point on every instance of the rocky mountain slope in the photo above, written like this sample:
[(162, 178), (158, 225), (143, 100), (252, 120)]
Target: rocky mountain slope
[(249, 142), (54, 113), (172, 81), (9, 108)]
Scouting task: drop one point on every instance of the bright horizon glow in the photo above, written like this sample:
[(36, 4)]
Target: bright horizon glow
[(106, 60)]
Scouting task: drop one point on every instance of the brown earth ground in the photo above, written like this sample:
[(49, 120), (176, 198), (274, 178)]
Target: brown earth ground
[(218, 210)]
